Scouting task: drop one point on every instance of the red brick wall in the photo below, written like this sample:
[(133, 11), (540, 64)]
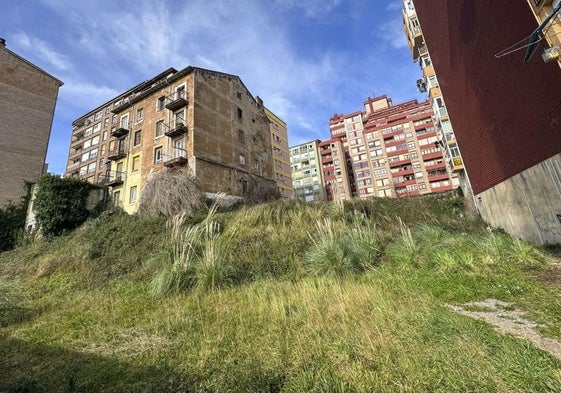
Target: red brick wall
[(506, 113)]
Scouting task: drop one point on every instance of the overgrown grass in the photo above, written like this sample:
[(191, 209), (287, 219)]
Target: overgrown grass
[(279, 297)]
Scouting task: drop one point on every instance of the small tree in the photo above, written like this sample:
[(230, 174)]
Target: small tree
[(171, 192), (60, 204)]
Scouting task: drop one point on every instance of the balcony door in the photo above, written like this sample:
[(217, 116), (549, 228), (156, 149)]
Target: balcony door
[(179, 148)]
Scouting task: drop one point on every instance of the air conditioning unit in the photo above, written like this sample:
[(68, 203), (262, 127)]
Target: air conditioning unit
[(551, 54), (422, 85)]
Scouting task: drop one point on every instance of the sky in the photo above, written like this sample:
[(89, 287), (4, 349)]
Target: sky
[(307, 59)]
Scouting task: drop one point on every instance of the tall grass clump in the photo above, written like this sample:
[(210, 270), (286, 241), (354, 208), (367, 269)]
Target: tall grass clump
[(339, 251), (194, 256), (439, 250)]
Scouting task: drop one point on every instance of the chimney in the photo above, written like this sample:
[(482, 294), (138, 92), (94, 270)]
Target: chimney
[(2, 43)]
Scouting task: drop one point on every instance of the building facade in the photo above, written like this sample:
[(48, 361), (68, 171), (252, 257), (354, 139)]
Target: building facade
[(506, 111), (384, 151), (27, 103), (543, 9), (306, 171), (201, 119), (429, 84), (281, 155)]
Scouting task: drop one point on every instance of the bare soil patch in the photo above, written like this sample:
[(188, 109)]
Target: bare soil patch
[(507, 320)]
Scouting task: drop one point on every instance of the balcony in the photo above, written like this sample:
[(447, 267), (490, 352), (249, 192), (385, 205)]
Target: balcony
[(438, 177), (432, 167), (120, 131), (404, 183), (393, 164), (179, 129), (456, 164), (111, 179), (178, 157), (432, 155), (116, 154), (403, 172), (178, 101)]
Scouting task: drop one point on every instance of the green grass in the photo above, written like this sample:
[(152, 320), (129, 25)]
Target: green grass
[(279, 297)]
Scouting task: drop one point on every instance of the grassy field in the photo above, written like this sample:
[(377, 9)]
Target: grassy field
[(280, 297)]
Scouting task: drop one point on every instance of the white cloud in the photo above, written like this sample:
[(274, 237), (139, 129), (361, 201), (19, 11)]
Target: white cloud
[(394, 5), (392, 33), (311, 8), (85, 94), (42, 50)]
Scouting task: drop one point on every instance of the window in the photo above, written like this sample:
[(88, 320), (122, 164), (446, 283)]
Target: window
[(132, 194), (239, 95), (180, 92), (125, 121), (135, 163), (159, 128), (240, 113), (241, 135), (179, 117), (139, 115), (178, 148), (157, 155), (106, 122), (137, 137), (160, 103), (95, 140), (117, 198), (242, 159)]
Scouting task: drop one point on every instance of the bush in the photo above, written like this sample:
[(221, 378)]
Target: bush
[(171, 192), (60, 204), (12, 222)]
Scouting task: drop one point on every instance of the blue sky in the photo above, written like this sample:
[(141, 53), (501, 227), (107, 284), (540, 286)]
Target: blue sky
[(307, 59)]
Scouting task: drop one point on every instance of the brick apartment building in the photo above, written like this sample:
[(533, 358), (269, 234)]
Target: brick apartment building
[(27, 103), (384, 151), (429, 84), (202, 119), (506, 112)]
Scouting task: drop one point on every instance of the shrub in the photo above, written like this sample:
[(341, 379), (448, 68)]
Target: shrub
[(60, 204), (171, 192)]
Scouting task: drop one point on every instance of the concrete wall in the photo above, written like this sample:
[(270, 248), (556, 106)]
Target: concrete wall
[(528, 205)]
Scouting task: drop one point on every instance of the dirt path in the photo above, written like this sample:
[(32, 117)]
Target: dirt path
[(505, 320)]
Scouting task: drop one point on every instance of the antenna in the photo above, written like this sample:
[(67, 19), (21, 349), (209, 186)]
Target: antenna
[(536, 36)]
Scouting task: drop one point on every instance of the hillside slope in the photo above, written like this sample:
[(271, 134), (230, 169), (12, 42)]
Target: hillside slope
[(278, 297)]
